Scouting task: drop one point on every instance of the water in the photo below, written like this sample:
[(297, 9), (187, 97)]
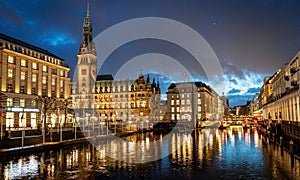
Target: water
[(208, 153)]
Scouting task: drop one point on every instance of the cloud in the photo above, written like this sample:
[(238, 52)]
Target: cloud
[(56, 38), (253, 91), (234, 91)]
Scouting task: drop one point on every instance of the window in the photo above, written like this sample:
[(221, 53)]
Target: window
[(172, 102), (177, 102), (10, 73), (53, 82), (173, 116), (22, 102), (177, 109), (34, 78), (22, 119), (33, 91), (33, 120), (22, 89), (61, 83), (44, 68), (199, 101), (34, 65), (61, 73), (9, 102), (44, 80), (199, 108), (23, 62), (182, 102), (23, 75), (44, 92), (177, 116), (198, 95), (10, 59), (188, 101), (9, 88), (173, 109), (33, 103)]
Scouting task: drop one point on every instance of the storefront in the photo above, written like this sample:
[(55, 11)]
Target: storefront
[(17, 117)]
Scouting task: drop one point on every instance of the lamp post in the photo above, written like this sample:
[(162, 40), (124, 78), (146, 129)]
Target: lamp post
[(88, 115), (23, 129), (3, 99)]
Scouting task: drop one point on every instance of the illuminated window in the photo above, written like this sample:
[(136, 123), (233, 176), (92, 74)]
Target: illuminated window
[(34, 78), (22, 119), (44, 80), (61, 73), (10, 119), (44, 68), (10, 73), (53, 82), (33, 120), (173, 116), (34, 65), (177, 109), (23, 75), (198, 95), (188, 101), (199, 101), (177, 102), (23, 62), (33, 103), (199, 108), (22, 102), (10, 59), (177, 116), (182, 102), (172, 102), (9, 102), (61, 83)]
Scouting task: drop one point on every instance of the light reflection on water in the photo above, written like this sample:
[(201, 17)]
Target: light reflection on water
[(209, 153)]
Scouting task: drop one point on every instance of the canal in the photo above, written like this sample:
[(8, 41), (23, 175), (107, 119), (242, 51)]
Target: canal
[(208, 153)]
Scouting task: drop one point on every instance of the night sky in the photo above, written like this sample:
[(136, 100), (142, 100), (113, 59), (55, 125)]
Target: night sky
[(251, 38)]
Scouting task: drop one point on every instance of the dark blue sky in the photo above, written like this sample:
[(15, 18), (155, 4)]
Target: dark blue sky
[(252, 38)]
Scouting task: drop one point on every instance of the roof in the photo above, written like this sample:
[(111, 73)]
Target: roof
[(27, 45), (104, 77), (198, 84)]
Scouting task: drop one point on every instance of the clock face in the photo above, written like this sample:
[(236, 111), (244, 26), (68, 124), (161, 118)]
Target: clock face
[(83, 72)]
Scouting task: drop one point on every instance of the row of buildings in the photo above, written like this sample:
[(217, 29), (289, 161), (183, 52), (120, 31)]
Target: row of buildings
[(279, 97), (28, 72)]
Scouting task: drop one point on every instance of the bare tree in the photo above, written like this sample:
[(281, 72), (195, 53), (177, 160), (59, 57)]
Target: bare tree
[(47, 104), (66, 106)]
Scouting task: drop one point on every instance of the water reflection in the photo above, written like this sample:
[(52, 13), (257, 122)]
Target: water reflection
[(208, 153)]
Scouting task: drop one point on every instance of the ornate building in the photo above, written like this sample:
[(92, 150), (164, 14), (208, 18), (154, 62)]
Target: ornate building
[(127, 100), (103, 98), (26, 72)]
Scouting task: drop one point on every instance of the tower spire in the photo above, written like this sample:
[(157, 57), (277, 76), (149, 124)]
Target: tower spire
[(87, 46), (87, 18)]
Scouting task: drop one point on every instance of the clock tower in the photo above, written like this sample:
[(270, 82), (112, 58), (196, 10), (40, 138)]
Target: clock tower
[(87, 59)]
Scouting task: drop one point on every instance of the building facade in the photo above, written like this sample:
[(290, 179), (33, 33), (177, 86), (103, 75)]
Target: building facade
[(103, 98), (193, 101), (284, 102), (28, 72)]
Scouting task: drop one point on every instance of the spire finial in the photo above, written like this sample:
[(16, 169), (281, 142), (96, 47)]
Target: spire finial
[(87, 18)]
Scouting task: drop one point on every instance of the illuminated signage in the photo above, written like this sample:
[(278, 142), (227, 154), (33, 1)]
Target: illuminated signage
[(19, 109)]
